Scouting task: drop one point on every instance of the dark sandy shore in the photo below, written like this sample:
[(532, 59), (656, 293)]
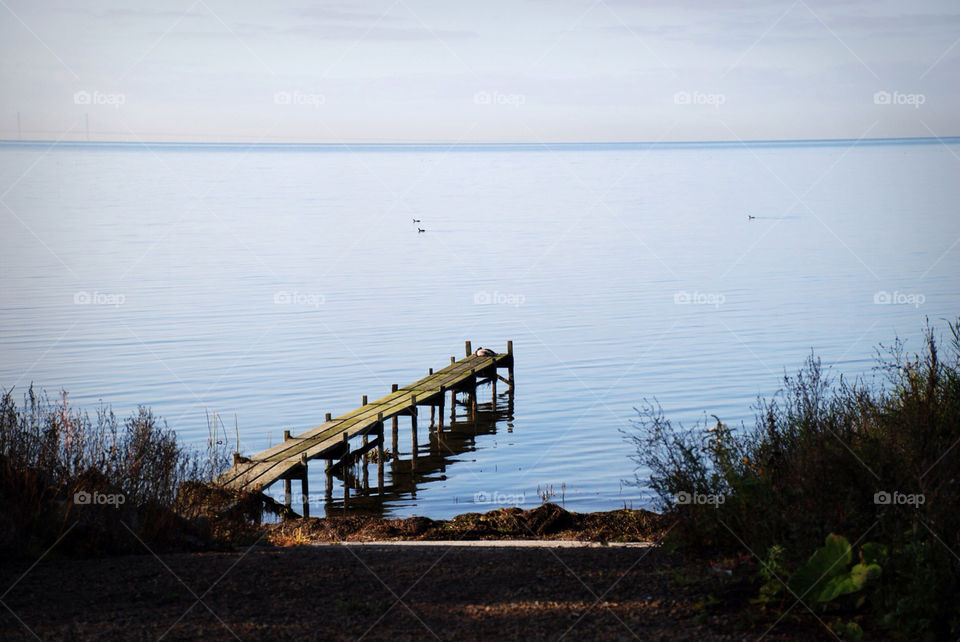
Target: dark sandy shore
[(346, 592)]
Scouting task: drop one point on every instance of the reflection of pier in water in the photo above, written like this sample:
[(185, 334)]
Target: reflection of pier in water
[(469, 418)]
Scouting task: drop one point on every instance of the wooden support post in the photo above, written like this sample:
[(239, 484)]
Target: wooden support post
[(493, 385), (468, 347), (363, 400), (413, 436), (305, 487), (328, 417), (287, 500), (473, 395), (431, 370), (343, 467), (443, 395), (510, 367), (366, 476), (380, 454), (395, 425), (328, 494), (236, 458), (286, 435), (453, 360)]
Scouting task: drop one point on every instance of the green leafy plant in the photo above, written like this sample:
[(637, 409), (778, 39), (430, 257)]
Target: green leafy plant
[(828, 574)]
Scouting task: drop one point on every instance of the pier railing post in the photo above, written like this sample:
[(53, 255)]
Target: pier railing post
[(469, 348)]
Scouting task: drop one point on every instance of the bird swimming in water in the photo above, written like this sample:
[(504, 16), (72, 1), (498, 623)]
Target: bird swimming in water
[(750, 217), (416, 220), (485, 352), (420, 229)]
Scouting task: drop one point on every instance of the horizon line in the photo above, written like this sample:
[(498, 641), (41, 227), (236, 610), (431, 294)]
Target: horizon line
[(447, 145)]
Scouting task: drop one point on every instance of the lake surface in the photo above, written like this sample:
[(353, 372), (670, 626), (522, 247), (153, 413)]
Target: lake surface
[(278, 284)]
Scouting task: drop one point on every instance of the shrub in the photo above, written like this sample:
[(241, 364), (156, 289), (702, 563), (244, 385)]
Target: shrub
[(878, 464), (92, 482)]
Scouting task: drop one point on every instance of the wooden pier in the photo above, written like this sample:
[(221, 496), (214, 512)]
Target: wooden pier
[(330, 440)]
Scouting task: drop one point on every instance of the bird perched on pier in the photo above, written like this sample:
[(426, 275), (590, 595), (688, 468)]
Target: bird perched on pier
[(485, 352)]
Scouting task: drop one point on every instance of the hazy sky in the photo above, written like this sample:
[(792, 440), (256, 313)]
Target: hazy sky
[(524, 70)]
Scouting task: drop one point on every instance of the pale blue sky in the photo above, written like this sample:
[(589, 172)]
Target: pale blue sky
[(525, 70)]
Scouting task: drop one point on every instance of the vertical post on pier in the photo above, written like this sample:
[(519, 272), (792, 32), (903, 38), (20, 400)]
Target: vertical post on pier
[(363, 400), (510, 366), (453, 405), (413, 431), (469, 348), (328, 494), (493, 385), (287, 491), (328, 417), (395, 424), (473, 394), (366, 474), (443, 395), (380, 454), (453, 360), (305, 487), (343, 467)]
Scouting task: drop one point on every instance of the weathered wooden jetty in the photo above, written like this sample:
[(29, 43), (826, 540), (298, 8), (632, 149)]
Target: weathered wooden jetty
[(331, 440)]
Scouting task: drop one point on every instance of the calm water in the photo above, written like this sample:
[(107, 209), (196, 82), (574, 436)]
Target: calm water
[(280, 285)]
